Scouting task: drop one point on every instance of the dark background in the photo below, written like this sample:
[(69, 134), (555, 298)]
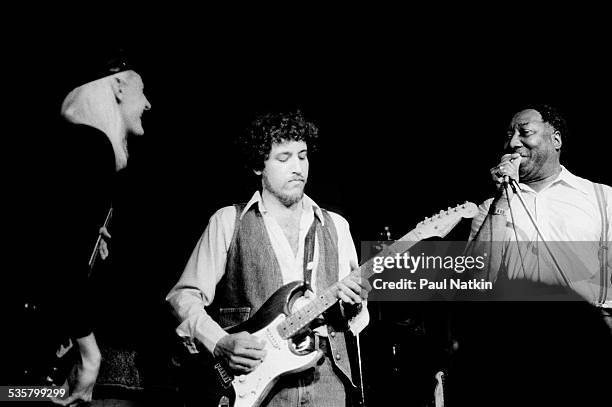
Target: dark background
[(406, 129), (409, 125)]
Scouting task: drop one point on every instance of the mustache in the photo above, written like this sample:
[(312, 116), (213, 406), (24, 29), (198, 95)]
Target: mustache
[(520, 150)]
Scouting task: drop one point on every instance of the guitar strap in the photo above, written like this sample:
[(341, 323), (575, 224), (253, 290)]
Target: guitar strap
[(309, 248), (603, 242)]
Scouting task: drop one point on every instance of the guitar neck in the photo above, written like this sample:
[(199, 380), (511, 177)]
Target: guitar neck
[(325, 300), (94, 253)]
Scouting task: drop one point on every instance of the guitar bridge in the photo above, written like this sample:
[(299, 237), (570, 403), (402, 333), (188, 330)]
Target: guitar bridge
[(224, 376)]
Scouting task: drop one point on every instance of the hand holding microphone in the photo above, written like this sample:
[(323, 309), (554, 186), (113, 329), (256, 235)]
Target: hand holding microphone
[(506, 170)]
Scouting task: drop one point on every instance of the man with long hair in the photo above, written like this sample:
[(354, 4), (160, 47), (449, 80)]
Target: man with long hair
[(100, 116), (103, 107)]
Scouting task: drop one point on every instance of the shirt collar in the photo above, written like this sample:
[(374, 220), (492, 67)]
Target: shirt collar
[(566, 177), (572, 180), (309, 205)]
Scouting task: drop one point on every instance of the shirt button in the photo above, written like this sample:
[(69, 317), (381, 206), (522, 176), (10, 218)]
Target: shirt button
[(332, 334), (338, 357)]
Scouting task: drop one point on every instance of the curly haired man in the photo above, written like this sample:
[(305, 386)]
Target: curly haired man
[(248, 251)]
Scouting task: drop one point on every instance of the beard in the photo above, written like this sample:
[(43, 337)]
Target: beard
[(537, 165), (286, 198), (124, 145)]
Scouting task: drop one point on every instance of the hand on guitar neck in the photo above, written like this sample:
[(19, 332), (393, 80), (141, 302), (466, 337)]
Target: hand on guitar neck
[(353, 289), (103, 249)]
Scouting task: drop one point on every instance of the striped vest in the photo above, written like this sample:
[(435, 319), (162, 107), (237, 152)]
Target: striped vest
[(252, 275)]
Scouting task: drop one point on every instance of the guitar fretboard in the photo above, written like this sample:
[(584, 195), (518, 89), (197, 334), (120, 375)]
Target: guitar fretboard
[(305, 315)]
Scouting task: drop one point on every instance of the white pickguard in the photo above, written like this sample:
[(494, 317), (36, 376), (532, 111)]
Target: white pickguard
[(252, 388)]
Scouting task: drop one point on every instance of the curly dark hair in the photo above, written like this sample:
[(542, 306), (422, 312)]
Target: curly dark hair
[(551, 116), (256, 142)]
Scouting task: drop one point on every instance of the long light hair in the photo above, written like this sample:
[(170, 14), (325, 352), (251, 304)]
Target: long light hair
[(94, 104)]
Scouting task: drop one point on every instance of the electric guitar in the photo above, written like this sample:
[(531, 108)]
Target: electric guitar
[(281, 328)]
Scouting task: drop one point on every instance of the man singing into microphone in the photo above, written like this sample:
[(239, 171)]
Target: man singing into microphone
[(565, 207), (562, 348)]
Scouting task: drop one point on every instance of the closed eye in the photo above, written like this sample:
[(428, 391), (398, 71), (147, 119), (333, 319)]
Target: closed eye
[(283, 157)]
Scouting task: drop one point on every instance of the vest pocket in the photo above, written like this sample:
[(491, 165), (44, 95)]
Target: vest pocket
[(229, 317)]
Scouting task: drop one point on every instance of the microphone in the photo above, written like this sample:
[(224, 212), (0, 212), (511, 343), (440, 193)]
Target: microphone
[(511, 182)]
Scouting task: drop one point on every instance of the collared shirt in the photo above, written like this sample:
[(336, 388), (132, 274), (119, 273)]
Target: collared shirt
[(566, 211), (206, 266)]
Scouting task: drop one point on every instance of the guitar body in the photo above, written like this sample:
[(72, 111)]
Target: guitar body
[(284, 356)]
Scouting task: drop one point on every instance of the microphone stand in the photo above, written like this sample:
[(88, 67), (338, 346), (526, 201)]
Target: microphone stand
[(517, 190)]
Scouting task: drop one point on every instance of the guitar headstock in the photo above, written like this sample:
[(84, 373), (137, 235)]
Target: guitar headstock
[(442, 223)]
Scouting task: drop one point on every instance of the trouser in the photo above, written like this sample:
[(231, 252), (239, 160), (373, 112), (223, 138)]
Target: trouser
[(320, 386)]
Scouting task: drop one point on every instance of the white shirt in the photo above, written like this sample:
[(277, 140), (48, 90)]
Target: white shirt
[(569, 218), (206, 266)]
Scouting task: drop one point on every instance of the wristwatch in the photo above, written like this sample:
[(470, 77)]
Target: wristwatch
[(497, 211)]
